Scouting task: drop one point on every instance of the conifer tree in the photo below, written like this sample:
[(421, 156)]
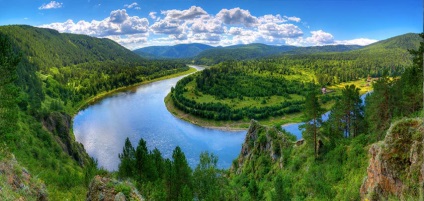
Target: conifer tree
[(127, 157)]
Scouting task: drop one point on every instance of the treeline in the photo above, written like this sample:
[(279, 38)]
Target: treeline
[(220, 111), (161, 178)]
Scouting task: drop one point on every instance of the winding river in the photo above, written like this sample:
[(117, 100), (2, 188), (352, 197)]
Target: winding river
[(141, 113)]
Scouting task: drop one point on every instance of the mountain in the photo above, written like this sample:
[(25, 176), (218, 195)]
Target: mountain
[(325, 48), (50, 48), (405, 42), (176, 51), (253, 51)]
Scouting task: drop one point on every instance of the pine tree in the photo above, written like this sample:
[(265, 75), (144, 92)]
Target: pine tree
[(126, 167), (313, 113)]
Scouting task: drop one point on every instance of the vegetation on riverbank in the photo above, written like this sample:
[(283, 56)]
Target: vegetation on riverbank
[(45, 77), (331, 164)]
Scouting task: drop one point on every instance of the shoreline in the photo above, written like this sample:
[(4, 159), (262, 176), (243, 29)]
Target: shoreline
[(212, 124), (100, 96)]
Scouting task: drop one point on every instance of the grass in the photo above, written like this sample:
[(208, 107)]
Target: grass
[(252, 102)]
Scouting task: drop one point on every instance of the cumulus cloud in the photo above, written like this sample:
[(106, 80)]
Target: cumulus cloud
[(227, 27), (280, 30), (191, 13), (51, 5), (133, 5), (118, 23), (237, 16), (319, 38), (210, 25), (294, 19), (153, 15), (271, 19), (358, 41)]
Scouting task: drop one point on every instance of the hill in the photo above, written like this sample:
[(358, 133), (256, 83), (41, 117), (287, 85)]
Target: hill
[(47, 76), (49, 48), (405, 42), (239, 52), (174, 52)]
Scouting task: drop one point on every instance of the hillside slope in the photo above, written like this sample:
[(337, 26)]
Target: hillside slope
[(49, 48), (45, 77)]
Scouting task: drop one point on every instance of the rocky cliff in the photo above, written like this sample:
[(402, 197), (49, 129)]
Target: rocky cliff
[(262, 145), (396, 166), (59, 124), (106, 189)]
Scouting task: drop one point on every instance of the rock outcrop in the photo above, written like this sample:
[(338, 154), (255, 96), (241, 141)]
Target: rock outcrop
[(261, 142), (16, 183), (396, 168), (59, 124), (106, 189)]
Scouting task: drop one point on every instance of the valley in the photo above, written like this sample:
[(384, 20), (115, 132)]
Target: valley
[(121, 99)]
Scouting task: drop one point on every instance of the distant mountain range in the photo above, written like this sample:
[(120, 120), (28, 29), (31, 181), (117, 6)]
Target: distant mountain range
[(206, 54), (176, 51)]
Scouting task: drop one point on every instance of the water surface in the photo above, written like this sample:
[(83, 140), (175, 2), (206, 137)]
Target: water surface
[(103, 127)]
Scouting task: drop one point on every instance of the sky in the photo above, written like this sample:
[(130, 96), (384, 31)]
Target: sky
[(140, 23)]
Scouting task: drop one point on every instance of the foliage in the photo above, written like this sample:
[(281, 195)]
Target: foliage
[(45, 76), (176, 51)]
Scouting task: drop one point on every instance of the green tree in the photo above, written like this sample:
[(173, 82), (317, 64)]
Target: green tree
[(142, 161), (312, 113), (206, 177), (181, 173), (346, 118), (127, 157)]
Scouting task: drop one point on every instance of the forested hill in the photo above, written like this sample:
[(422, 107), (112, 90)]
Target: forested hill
[(398, 45), (176, 51), (45, 77), (405, 42), (49, 48)]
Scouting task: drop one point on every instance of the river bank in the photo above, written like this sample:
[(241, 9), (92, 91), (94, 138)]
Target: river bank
[(100, 96)]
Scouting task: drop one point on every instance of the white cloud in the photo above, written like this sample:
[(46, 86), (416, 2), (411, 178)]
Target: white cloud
[(271, 19), (294, 19), (118, 23), (191, 13), (209, 25), (237, 16), (51, 5), (319, 38), (358, 41), (133, 5), (280, 30), (153, 15), (227, 27), (171, 27)]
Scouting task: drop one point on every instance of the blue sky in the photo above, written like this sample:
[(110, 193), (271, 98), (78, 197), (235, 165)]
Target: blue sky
[(140, 23)]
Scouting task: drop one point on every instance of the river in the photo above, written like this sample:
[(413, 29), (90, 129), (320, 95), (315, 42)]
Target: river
[(141, 113)]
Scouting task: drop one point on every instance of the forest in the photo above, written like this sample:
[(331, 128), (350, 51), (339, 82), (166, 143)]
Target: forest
[(330, 164), (277, 86), (45, 76)]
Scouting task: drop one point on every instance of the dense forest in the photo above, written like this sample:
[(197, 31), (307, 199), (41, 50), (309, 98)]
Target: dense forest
[(277, 86), (45, 78), (330, 164), (396, 47)]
